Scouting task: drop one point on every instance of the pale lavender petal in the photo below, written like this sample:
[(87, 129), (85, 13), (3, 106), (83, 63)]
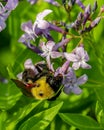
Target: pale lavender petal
[(70, 57), (65, 67), (3, 12), (83, 79), (51, 67), (80, 4), (55, 54), (43, 46), (71, 74), (42, 24), (80, 51), (19, 76), (86, 56), (24, 38), (76, 65), (2, 8), (77, 90), (50, 45), (67, 89), (29, 65), (57, 71), (44, 54), (27, 27), (2, 25), (11, 4), (41, 15), (48, 62), (52, 2), (84, 65), (69, 78)]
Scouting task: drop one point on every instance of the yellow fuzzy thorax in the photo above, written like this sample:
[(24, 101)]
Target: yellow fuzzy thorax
[(42, 90)]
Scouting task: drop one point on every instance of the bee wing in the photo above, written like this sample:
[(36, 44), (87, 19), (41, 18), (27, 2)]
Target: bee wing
[(22, 86)]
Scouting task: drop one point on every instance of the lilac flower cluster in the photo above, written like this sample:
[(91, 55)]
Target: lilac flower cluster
[(85, 22), (68, 4), (50, 50), (47, 47), (11, 5)]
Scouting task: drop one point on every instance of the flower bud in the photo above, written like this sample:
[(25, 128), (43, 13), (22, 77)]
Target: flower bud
[(91, 26), (80, 16), (102, 9), (80, 4), (95, 22), (73, 2), (95, 6), (78, 21), (87, 13)]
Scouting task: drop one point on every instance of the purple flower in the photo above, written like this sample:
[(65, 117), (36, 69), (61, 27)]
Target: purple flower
[(71, 82), (29, 32), (79, 57), (11, 4), (62, 70), (33, 30), (80, 4), (42, 26), (62, 43), (53, 2), (3, 16), (48, 51), (40, 22)]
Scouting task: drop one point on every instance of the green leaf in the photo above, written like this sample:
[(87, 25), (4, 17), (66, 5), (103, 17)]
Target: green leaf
[(100, 96), (3, 116), (98, 111), (102, 119), (21, 113), (3, 71), (80, 121), (100, 105), (41, 120), (9, 95)]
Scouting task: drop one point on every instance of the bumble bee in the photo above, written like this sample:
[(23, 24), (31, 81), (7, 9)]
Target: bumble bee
[(43, 85)]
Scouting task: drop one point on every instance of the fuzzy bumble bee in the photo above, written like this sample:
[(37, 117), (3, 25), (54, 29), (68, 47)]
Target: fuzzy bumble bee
[(41, 85)]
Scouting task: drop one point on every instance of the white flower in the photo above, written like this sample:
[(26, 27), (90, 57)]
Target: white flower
[(33, 30), (79, 58), (48, 52), (40, 22)]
